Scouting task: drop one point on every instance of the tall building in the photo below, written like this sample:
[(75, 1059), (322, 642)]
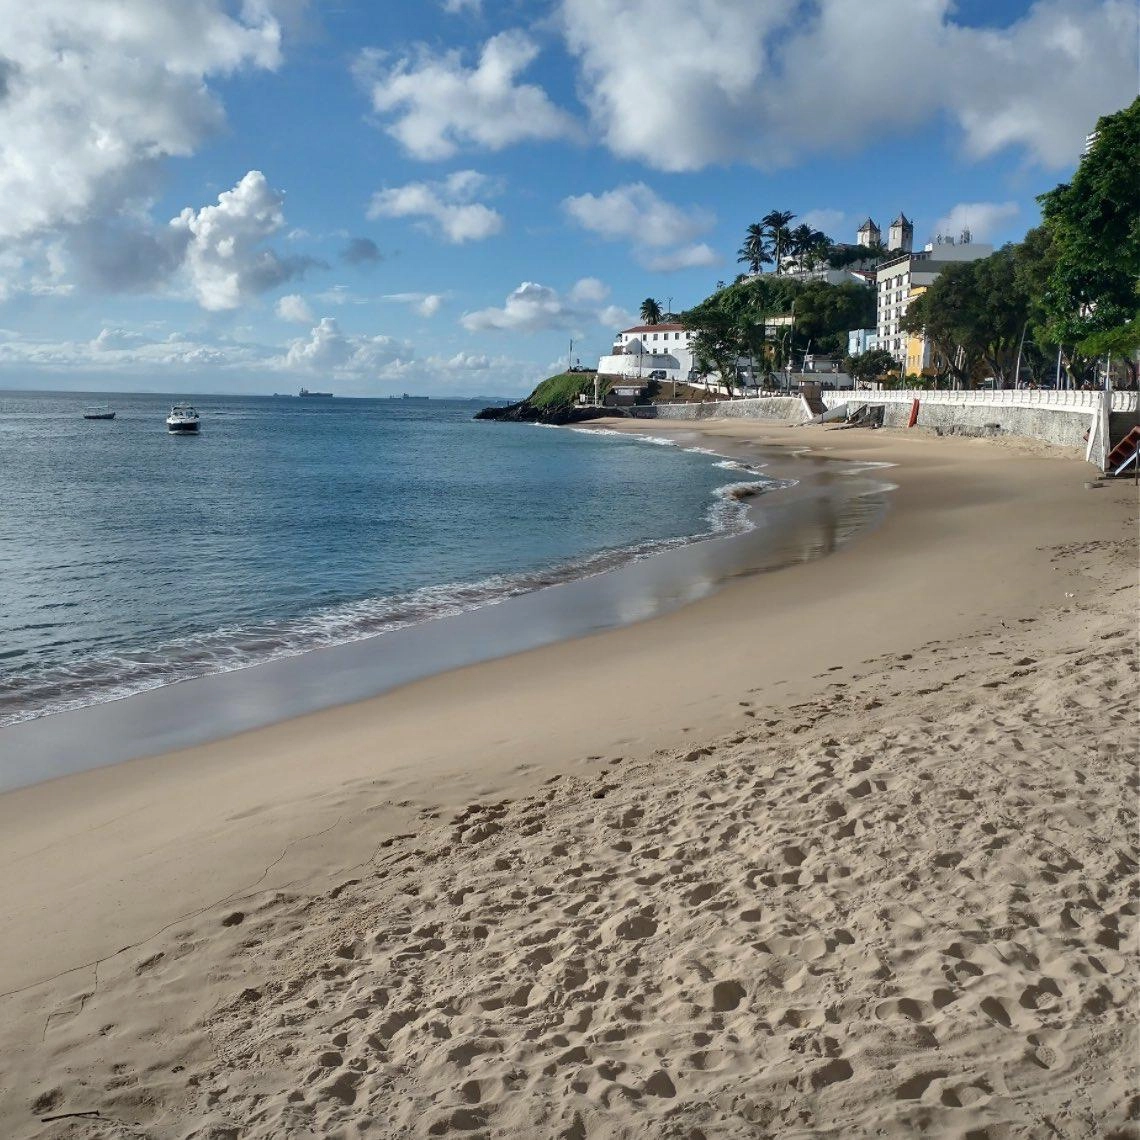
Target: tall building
[(869, 234), (900, 237), (901, 279)]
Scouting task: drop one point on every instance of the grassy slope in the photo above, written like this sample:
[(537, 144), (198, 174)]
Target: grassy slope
[(562, 391)]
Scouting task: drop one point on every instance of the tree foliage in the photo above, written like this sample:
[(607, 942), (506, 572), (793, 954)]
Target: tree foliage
[(1094, 224), (870, 365), (650, 311), (737, 321)]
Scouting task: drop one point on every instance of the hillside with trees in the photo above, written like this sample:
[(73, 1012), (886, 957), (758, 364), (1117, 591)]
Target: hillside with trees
[(737, 321)]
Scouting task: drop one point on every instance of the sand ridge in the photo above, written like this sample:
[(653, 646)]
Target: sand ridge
[(906, 905)]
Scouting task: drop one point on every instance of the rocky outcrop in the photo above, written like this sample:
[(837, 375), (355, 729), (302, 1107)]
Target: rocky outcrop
[(526, 413)]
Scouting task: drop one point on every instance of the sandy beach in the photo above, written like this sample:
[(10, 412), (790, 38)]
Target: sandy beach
[(845, 849)]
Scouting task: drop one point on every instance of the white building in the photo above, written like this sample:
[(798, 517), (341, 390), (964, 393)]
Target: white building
[(868, 234), (896, 278), (900, 237), (643, 349), (664, 352)]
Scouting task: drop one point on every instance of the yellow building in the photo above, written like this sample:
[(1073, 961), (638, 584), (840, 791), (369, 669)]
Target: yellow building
[(917, 344)]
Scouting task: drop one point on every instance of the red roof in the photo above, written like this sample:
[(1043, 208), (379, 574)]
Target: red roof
[(655, 328)]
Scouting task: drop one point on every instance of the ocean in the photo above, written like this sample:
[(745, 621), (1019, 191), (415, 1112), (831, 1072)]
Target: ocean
[(131, 559)]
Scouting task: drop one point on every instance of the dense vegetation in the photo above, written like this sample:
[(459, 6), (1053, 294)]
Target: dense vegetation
[(737, 321)]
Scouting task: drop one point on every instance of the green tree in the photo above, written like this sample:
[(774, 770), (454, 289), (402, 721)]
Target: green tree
[(650, 311), (1094, 223), (870, 365), (809, 247), (754, 252), (775, 225)]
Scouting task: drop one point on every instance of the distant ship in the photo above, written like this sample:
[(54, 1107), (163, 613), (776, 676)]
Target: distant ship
[(305, 392), (405, 396)]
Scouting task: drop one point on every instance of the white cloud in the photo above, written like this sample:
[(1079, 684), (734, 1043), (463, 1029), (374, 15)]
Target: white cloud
[(327, 349), (426, 304), (126, 354), (447, 203), (439, 105), (737, 81), (224, 258), (293, 307), (982, 219), (635, 213), (356, 364), (454, 7), (615, 317), (589, 291), (95, 94), (534, 308), (699, 256)]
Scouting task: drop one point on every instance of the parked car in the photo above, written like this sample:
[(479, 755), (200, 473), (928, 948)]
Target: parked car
[(657, 374)]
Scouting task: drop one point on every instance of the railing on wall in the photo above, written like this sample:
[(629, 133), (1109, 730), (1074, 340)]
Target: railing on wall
[(1063, 400)]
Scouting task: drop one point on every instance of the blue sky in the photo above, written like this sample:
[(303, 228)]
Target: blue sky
[(200, 196)]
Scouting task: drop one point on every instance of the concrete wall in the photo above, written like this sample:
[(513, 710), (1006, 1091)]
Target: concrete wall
[(784, 409), (1059, 418)]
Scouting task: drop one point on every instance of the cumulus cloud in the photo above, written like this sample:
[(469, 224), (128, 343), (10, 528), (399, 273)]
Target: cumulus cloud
[(437, 104), (293, 307), (93, 95), (361, 251), (126, 353), (982, 219), (364, 365), (534, 308), (736, 81), (635, 213), (225, 260), (328, 349), (448, 204)]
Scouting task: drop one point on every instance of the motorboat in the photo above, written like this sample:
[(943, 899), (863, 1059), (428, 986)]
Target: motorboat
[(183, 420), (98, 412)]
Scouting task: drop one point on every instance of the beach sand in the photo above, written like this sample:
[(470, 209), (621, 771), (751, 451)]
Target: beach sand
[(845, 849)]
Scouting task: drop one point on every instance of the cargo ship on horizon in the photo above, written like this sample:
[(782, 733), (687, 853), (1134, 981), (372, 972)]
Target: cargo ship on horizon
[(305, 392)]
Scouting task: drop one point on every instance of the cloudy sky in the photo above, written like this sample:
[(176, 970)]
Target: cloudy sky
[(369, 196)]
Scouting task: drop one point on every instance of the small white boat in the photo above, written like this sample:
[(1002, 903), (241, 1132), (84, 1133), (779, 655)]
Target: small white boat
[(183, 420), (98, 412)]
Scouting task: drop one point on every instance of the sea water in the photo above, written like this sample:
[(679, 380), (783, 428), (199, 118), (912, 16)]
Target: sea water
[(132, 559)]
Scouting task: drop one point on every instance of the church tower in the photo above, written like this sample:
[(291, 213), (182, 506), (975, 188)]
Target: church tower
[(900, 237), (868, 234)]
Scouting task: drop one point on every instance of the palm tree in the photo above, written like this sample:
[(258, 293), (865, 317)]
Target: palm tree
[(754, 251), (809, 246), (775, 226), (650, 311)]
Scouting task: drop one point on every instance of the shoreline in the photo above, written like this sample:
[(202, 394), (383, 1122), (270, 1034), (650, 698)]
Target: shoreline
[(123, 672), (605, 590), (990, 555)]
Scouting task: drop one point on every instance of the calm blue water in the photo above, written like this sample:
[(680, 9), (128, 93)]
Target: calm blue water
[(130, 558)]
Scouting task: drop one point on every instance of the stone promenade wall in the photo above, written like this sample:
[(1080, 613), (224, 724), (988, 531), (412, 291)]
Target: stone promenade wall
[(1060, 418)]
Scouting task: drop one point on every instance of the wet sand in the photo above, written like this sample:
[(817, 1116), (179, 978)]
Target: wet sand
[(846, 847)]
